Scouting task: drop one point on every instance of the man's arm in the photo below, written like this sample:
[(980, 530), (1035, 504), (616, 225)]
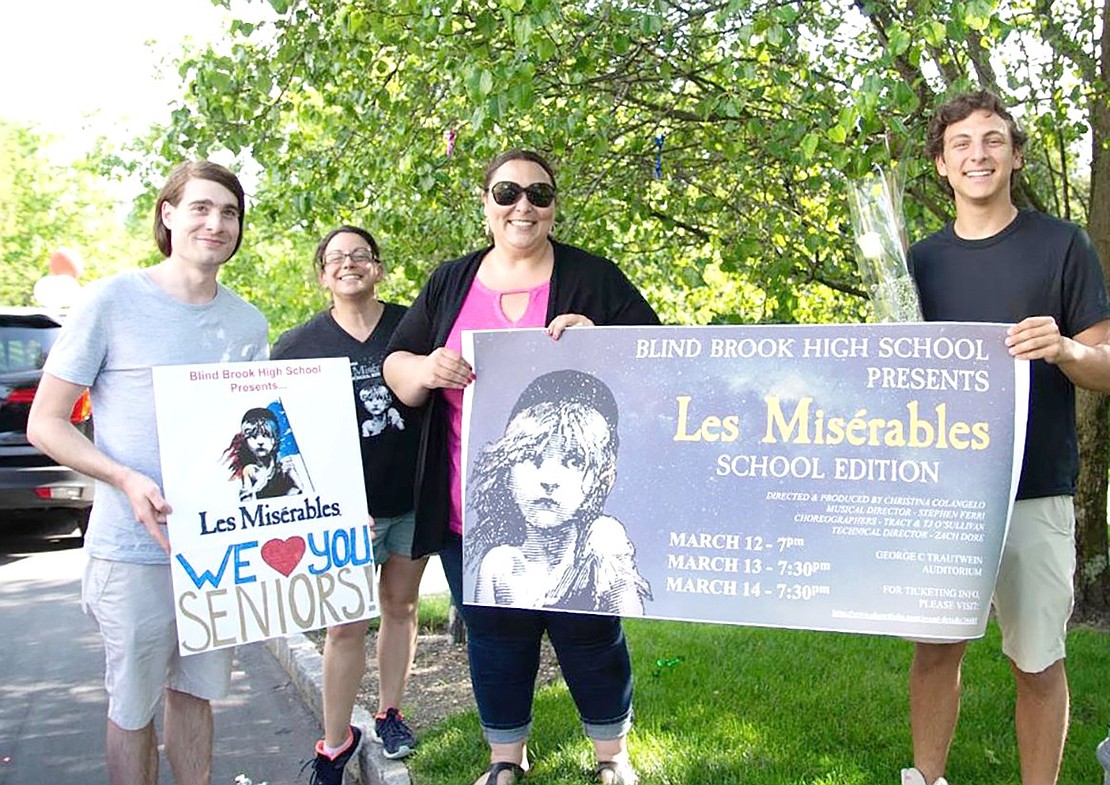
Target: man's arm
[(49, 428), (1084, 359)]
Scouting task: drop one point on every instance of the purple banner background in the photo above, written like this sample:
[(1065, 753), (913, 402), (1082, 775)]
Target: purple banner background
[(879, 537)]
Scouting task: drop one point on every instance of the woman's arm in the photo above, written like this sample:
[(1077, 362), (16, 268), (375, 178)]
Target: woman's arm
[(412, 377), (595, 287)]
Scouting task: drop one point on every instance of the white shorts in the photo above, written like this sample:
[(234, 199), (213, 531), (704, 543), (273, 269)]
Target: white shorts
[(134, 608), (1034, 595)]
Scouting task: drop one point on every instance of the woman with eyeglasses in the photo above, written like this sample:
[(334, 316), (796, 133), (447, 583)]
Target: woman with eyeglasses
[(523, 279), (357, 325)]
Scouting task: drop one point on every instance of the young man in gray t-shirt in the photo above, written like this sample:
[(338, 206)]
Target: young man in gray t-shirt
[(173, 313)]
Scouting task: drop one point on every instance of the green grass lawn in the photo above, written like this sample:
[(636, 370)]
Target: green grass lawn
[(717, 704)]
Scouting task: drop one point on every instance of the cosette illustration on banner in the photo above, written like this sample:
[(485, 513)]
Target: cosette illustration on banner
[(537, 528), (263, 455)]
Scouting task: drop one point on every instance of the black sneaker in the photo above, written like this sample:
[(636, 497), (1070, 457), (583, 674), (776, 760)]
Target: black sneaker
[(329, 771), (393, 734)]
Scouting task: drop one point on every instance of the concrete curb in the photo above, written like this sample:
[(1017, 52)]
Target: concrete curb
[(301, 660)]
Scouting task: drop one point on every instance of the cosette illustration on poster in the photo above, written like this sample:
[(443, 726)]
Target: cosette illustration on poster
[(269, 531)]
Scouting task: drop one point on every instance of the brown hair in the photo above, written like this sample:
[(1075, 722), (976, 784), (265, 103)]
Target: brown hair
[(318, 256), (517, 154), (960, 107), (175, 186)]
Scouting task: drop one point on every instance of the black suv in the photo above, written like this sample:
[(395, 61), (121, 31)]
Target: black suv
[(30, 480)]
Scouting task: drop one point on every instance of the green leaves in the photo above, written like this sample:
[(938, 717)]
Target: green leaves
[(809, 144), (45, 206), (899, 39), (344, 105)]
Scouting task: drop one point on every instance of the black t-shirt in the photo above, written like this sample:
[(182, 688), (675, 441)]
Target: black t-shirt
[(1036, 266), (388, 430)]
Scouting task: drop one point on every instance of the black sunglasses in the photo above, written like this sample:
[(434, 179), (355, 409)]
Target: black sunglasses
[(506, 193)]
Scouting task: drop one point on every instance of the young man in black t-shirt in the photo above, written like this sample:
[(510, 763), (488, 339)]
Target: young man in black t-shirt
[(358, 326), (995, 263)]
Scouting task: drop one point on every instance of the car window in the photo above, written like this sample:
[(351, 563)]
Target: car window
[(24, 348)]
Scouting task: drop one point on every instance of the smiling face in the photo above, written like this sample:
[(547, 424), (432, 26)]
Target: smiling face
[(204, 224), (346, 271), (551, 488), (521, 226), (978, 160)]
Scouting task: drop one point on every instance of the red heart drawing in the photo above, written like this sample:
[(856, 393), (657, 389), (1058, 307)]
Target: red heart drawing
[(283, 555)]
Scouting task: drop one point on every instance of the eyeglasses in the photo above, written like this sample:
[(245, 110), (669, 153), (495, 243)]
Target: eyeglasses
[(359, 256), (506, 193)]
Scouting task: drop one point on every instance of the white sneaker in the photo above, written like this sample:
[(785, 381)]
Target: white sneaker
[(915, 777), (1102, 752)]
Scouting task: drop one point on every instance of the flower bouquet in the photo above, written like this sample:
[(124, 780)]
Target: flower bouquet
[(875, 203)]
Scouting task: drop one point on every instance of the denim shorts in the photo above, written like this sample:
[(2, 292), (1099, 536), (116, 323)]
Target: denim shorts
[(133, 605), (393, 535)]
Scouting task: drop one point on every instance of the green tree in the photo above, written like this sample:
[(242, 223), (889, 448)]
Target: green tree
[(45, 206), (705, 145)]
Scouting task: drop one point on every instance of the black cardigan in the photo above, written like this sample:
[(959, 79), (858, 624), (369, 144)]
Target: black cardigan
[(581, 283)]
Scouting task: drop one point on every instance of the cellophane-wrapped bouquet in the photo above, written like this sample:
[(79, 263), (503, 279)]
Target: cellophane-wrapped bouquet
[(875, 203)]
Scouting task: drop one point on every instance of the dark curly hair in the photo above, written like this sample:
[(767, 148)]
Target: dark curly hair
[(960, 107)]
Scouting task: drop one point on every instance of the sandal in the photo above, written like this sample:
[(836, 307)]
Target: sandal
[(497, 768), (613, 772)]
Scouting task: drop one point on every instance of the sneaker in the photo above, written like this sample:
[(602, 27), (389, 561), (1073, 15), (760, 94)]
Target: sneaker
[(1103, 755), (329, 771), (393, 734), (915, 777)]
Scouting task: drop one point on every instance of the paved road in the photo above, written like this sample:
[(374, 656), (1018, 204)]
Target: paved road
[(52, 701)]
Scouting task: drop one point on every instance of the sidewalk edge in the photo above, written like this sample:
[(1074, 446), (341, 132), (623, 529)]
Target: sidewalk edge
[(305, 667)]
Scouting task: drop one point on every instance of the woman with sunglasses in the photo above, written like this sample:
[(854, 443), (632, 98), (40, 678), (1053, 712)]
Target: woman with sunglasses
[(523, 279)]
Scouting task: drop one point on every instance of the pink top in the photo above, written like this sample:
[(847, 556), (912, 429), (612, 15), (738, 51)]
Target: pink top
[(481, 310)]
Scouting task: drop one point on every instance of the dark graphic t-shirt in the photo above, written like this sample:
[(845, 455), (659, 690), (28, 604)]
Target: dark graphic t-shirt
[(388, 430)]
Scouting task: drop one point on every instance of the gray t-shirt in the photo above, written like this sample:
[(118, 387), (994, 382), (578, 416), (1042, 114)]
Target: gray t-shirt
[(125, 326)]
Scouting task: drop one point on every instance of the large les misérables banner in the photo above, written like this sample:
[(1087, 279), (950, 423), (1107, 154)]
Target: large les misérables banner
[(856, 478)]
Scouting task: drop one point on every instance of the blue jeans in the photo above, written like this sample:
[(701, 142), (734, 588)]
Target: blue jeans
[(504, 649)]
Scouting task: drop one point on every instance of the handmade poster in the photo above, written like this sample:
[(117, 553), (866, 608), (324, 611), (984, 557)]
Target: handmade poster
[(269, 531), (856, 478)]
